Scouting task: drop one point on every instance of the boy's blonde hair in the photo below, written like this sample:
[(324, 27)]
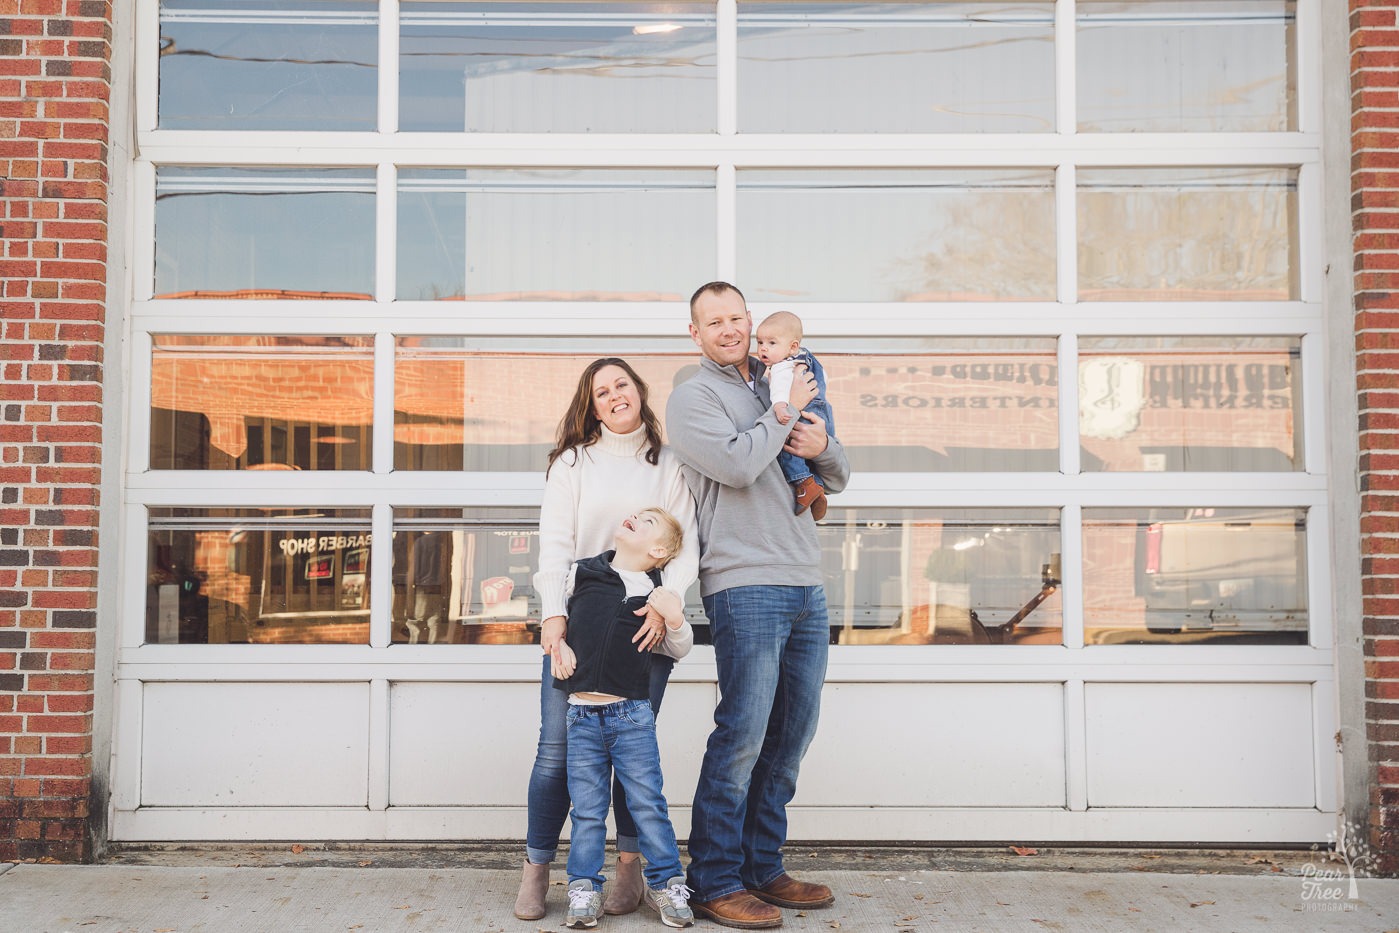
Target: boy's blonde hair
[(672, 535), (785, 322)]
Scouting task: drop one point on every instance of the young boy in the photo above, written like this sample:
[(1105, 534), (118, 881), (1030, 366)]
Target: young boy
[(780, 348), (610, 722)]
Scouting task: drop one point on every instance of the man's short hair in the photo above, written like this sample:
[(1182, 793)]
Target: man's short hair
[(718, 288)]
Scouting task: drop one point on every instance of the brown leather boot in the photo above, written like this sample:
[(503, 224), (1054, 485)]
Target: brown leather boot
[(810, 495), (786, 891), (624, 894), (534, 884), (740, 910)]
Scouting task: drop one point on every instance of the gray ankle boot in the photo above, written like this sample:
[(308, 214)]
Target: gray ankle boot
[(534, 884), (624, 894)]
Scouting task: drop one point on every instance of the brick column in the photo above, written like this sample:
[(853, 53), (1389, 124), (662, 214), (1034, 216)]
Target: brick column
[(1374, 197), (55, 82)]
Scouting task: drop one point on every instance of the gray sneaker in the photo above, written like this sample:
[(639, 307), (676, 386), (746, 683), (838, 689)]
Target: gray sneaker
[(672, 902), (584, 904)]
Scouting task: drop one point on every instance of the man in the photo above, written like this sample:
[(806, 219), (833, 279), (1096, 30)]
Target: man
[(760, 577)]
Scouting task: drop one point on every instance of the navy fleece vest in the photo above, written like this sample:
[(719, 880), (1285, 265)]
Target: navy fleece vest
[(601, 625)]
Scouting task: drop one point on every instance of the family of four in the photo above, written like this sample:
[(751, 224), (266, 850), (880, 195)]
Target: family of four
[(627, 524)]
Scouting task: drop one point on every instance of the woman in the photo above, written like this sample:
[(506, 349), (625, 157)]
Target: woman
[(608, 462)]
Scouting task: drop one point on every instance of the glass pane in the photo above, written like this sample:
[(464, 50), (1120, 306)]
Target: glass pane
[(1187, 576), (269, 65), (1172, 66), (965, 67), (259, 576), (951, 576), (1187, 234), (465, 576), (261, 403), (564, 67), (896, 235), (554, 234), (1217, 404), (264, 233), (905, 405)]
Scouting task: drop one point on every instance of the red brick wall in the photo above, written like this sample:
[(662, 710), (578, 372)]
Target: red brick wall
[(55, 81), (1375, 193)]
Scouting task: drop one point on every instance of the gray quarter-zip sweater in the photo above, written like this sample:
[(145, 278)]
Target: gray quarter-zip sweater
[(727, 439)]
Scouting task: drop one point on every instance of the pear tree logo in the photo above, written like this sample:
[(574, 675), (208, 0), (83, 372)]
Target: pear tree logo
[(1331, 886)]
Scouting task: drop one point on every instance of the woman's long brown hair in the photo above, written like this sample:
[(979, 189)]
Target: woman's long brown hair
[(580, 428)]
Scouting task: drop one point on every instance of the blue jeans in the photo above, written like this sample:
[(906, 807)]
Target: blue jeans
[(794, 468), (619, 737), (770, 645), (548, 780)]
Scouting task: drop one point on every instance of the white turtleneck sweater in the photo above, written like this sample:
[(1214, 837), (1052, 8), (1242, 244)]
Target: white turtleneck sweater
[(588, 494)]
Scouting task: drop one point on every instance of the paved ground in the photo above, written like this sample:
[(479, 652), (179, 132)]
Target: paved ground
[(471, 888)]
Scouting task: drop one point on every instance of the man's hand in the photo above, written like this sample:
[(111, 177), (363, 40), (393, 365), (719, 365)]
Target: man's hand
[(804, 388), (661, 604), (807, 440), (551, 633)]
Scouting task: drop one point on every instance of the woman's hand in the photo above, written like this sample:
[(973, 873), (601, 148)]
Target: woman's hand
[(562, 661), (551, 633), (660, 606)]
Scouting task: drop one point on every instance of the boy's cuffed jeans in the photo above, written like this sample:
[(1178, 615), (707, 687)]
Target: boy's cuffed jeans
[(770, 646), (618, 737), (548, 780)]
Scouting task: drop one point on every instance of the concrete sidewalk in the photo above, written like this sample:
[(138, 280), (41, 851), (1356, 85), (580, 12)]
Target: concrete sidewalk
[(377, 889)]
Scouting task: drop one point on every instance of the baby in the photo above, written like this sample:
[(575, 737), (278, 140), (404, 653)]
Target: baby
[(780, 348)]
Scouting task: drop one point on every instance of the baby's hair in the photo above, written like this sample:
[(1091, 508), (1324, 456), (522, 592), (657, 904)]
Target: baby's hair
[(786, 322), (672, 535)]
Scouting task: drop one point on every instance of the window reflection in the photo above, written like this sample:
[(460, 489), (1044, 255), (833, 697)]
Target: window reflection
[(1199, 234), (959, 67), (1216, 404), (268, 65), (893, 577), (1186, 576), (946, 576), (465, 576), (1167, 66), (905, 405), (264, 233), (896, 235), (258, 576), (261, 403), (553, 234), (562, 67)]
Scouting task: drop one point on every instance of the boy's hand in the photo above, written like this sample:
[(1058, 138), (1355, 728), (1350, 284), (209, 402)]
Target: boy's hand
[(804, 389), (551, 632), (562, 661), (783, 411), (807, 440)]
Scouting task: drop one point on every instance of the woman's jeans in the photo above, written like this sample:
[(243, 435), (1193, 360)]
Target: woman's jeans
[(618, 738), (770, 645), (548, 781)]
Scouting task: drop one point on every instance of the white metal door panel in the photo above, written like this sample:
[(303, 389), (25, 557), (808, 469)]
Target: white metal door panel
[(461, 744), (254, 745), (472, 744), (687, 718), (1200, 745), (937, 745)]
